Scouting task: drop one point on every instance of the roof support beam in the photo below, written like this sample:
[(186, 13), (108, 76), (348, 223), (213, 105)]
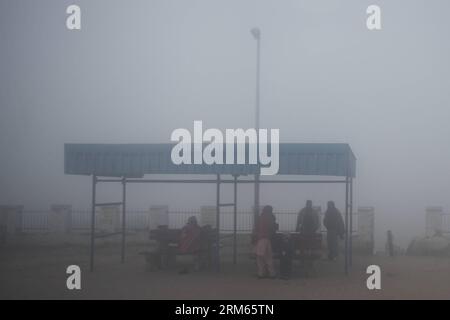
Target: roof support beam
[(215, 181)]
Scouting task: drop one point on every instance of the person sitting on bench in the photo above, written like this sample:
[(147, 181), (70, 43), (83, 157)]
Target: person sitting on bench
[(190, 241)]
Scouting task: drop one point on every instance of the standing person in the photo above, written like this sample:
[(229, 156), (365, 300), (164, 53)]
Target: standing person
[(265, 229), (335, 229), (307, 220)]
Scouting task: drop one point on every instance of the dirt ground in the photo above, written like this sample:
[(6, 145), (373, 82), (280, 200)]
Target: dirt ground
[(36, 271)]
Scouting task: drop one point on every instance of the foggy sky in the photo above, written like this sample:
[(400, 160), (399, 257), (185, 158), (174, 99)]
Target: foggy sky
[(140, 69)]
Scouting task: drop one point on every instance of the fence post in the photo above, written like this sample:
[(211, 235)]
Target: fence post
[(433, 220)]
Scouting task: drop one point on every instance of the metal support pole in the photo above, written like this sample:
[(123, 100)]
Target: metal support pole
[(346, 225), (94, 183), (235, 221), (218, 223), (124, 196), (256, 200), (351, 222), (257, 35), (258, 64)]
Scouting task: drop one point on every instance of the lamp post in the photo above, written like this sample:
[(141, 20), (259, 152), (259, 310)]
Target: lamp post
[(256, 33)]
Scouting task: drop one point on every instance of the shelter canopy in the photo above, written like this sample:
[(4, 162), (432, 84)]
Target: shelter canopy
[(136, 160)]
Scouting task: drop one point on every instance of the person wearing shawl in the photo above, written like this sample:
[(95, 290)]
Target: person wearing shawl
[(190, 237), (265, 229)]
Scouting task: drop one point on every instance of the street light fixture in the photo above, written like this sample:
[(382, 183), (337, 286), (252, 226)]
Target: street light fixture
[(255, 32)]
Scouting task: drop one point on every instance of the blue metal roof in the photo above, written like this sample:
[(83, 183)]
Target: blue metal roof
[(135, 160)]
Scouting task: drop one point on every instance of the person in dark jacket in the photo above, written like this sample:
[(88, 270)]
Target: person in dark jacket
[(335, 229), (307, 220)]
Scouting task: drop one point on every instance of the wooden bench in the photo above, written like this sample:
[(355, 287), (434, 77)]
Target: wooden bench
[(167, 247), (305, 248)]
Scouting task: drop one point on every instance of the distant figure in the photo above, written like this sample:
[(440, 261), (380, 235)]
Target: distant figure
[(335, 229), (190, 241), (390, 243), (265, 229), (307, 220)]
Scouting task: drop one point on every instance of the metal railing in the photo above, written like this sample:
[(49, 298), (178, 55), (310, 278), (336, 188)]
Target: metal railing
[(38, 221)]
